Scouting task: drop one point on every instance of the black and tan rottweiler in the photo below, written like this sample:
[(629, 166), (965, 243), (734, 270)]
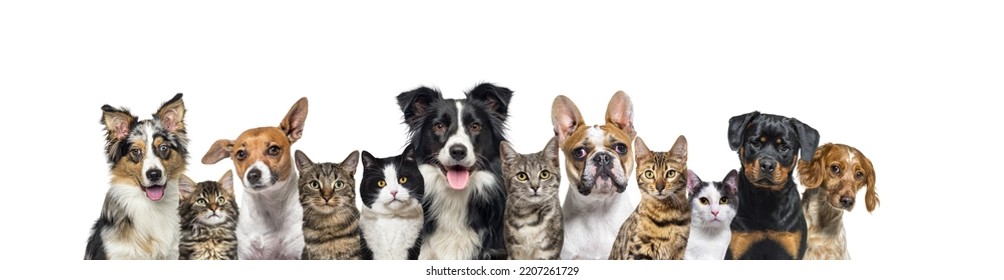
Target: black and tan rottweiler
[(770, 224)]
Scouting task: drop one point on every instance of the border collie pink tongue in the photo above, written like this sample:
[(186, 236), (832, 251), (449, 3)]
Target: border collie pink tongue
[(458, 177), (155, 192)]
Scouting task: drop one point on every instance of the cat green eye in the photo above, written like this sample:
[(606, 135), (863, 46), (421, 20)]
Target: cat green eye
[(315, 184), (671, 173), (522, 176), (381, 183), (649, 174), (402, 180), (705, 201), (221, 200), (544, 174), (724, 200), (339, 184), (201, 201)]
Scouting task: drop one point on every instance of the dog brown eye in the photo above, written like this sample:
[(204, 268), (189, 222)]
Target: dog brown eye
[(859, 175), (724, 200), (834, 168), (273, 150), (579, 153), (439, 127), (136, 152), (755, 143), (705, 201), (785, 148), (620, 148), (241, 155), (475, 127)]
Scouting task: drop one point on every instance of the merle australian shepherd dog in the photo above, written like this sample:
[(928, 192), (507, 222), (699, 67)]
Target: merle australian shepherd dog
[(456, 144)]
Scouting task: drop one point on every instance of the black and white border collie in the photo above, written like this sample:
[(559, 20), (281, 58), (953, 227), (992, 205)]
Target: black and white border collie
[(456, 143), (139, 218)]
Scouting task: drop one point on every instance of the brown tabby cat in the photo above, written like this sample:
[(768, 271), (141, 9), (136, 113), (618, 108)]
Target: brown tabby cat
[(658, 229), (330, 216), (208, 213)]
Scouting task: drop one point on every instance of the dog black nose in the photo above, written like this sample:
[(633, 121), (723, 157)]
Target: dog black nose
[(767, 166), (154, 175), (602, 159), (458, 152), (254, 176), (846, 201)]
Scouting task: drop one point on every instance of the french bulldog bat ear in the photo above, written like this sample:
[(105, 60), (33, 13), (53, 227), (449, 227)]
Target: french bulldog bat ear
[(565, 117), (492, 97), (551, 151), (679, 150), (808, 139), (507, 153), (172, 114), (350, 163), (117, 122), (692, 182), (620, 112), (731, 181), (737, 128), (641, 150), (369, 161), (811, 171), (292, 124), (220, 150), (186, 186), (415, 104), (227, 181), (302, 161)]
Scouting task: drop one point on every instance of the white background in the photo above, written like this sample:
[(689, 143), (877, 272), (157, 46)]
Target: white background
[(906, 82)]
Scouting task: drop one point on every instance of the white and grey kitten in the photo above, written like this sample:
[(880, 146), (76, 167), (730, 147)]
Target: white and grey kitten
[(713, 205), (532, 220)]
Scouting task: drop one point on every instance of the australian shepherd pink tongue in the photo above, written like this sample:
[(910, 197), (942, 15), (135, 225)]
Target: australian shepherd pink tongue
[(155, 192), (457, 177)]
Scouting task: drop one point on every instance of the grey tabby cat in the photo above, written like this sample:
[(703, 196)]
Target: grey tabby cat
[(330, 216), (533, 221), (209, 214)]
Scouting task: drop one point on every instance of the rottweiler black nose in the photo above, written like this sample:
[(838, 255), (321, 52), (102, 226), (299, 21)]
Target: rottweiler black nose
[(254, 176), (154, 175), (458, 152), (846, 201), (767, 165), (602, 159)]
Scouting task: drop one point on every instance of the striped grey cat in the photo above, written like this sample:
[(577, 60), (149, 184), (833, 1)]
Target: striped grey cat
[(208, 219), (533, 221), (330, 216)]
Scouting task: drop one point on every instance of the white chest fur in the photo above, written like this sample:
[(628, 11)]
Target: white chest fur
[(592, 223), (453, 238), (390, 236), (707, 243), (155, 231), (271, 224)]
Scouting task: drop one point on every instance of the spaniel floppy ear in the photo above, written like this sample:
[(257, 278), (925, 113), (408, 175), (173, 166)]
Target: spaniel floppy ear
[(811, 172), (871, 197)]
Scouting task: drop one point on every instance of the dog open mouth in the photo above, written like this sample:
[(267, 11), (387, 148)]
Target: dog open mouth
[(155, 192), (457, 176)]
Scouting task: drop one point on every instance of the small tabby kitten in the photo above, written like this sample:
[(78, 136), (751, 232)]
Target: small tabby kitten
[(713, 205), (533, 220), (208, 219), (658, 229), (392, 216), (330, 216)]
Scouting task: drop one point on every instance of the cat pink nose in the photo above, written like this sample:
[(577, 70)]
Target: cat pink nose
[(393, 193), (714, 213)]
